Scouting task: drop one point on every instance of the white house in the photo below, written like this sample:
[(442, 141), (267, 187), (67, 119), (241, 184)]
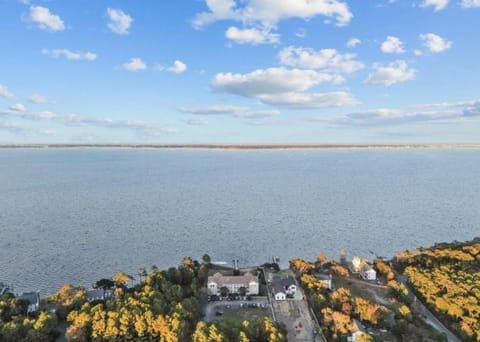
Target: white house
[(279, 292), (33, 301), (233, 283), (284, 288), (326, 280), (99, 294), (368, 273)]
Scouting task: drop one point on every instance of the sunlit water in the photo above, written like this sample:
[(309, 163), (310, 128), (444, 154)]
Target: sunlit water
[(79, 215)]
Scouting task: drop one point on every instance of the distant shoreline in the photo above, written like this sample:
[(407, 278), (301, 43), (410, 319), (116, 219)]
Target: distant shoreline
[(243, 147)]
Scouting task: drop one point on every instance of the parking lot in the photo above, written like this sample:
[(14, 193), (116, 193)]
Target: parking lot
[(214, 309)]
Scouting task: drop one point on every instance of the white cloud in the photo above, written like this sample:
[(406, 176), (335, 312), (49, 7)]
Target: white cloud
[(417, 52), (4, 92), (234, 111), (435, 43), (310, 100), (438, 5), (135, 64), (272, 11), (327, 59), (37, 99), (416, 113), (269, 81), (252, 36), (283, 88), (149, 129), (45, 19), (119, 21), (352, 42), (392, 73), (470, 3), (70, 55), (178, 67), (18, 108), (392, 45)]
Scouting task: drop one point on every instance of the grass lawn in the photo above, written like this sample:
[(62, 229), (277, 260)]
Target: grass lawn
[(240, 315)]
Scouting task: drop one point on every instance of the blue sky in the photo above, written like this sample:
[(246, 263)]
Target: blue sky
[(239, 71)]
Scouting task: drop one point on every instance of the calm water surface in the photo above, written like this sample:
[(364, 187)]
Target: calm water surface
[(79, 215)]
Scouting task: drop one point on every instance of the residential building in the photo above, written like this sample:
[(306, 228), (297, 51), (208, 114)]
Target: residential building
[(368, 273), (326, 279), (233, 284), (98, 294), (284, 288)]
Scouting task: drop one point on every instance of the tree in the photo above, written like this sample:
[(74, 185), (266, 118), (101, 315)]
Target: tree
[(206, 259), (105, 284), (321, 257), (224, 291), (242, 291)]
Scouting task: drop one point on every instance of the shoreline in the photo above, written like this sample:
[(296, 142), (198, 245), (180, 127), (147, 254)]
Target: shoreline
[(246, 147)]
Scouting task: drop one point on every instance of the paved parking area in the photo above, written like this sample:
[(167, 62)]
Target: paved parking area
[(212, 308)]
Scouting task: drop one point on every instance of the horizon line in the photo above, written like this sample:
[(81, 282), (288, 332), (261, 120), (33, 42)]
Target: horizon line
[(254, 146)]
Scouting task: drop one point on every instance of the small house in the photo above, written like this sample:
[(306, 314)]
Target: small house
[(368, 273)]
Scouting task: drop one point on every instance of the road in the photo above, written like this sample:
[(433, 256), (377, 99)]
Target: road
[(428, 316)]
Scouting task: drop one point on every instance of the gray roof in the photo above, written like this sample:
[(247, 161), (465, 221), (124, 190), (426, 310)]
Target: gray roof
[(284, 282), (30, 297), (278, 288)]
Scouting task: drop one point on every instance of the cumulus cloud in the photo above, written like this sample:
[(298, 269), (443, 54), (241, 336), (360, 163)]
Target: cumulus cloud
[(253, 36), (283, 88), (470, 3), (272, 11), (177, 67), (392, 45), (352, 42), (119, 22), (38, 99), (70, 55), (234, 111), (437, 5), (390, 74), (327, 59), (45, 20), (135, 64), (434, 43), (269, 81), (5, 93)]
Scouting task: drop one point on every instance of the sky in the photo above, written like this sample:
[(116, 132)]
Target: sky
[(239, 71)]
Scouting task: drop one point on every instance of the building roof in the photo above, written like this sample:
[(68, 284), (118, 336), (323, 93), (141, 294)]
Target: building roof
[(284, 282), (222, 280), (278, 288), (30, 297), (94, 294)]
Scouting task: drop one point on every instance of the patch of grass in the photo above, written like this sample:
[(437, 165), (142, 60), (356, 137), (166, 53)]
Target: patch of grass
[(237, 316)]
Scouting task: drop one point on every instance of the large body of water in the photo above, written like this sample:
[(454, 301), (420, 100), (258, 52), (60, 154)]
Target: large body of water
[(78, 215)]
